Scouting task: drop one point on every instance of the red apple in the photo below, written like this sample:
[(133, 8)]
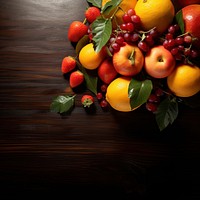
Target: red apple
[(129, 60), (159, 62), (191, 17), (178, 4), (106, 71)]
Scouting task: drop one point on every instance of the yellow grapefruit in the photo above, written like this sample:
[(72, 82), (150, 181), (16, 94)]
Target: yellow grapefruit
[(155, 13), (89, 58), (117, 94), (184, 81)]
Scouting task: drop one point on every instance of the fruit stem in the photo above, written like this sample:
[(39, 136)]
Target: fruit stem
[(85, 21), (184, 34), (132, 57), (114, 13), (145, 32)]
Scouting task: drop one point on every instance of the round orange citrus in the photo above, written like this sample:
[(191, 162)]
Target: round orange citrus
[(184, 81), (125, 5), (155, 13), (89, 58), (117, 94)]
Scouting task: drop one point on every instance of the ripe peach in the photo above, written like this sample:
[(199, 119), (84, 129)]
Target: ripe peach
[(159, 62), (129, 60), (106, 71)]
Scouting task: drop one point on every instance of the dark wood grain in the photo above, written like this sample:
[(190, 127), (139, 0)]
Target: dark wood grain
[(95, 155)]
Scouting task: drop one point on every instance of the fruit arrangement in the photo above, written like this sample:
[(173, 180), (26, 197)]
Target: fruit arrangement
[(133, 53)]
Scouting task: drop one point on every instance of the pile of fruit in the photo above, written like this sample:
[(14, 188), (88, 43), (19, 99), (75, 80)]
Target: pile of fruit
[(132, 53)]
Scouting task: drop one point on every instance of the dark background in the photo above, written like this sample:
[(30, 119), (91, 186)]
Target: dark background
[(98, 155)]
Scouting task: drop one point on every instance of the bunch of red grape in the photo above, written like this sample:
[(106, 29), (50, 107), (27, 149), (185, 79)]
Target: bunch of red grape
[(126, 32), (129, 31), (154, 99), (180, 45)]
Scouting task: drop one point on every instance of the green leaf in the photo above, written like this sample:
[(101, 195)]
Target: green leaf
[(101, 30), (110, 6), (139, 91), (180, 21), (62, 103), (91, 83), (166, 113), (81, 43), (96, 3), (91, 80)]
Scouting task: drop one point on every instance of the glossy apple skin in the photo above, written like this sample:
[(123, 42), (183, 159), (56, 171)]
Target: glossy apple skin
[(106, 71), (191, 17), (178, 4), (122, 62), (159, 62)]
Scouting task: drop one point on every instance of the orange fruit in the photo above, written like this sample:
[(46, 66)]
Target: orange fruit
[(184, 81), (155, 13), (89, 58), (117, 94), (125, 5)]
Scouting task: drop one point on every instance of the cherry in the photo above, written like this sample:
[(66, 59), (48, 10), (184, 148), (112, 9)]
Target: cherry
[(120, 40), (135, 37), (187, 39), (159, 92), (104, 88), (171, 29), (153, 98), (152, 107), (104, 104), (194, 53), (135, 19), (127, 37), (130, 27), (174, 51), (123, 27), (131, 12), (99, 96), (143, 46), (126, 18), (179, 40), (115, 46)]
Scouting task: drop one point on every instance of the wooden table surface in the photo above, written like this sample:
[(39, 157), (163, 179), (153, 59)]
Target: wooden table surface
[(96, 155)]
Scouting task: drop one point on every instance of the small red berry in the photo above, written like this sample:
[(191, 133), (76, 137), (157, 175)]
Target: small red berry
[(131, 12), (104, 87), (126, 18), (99, 96), (159, 92), (152, 107), (153, 98), (104, 103)]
